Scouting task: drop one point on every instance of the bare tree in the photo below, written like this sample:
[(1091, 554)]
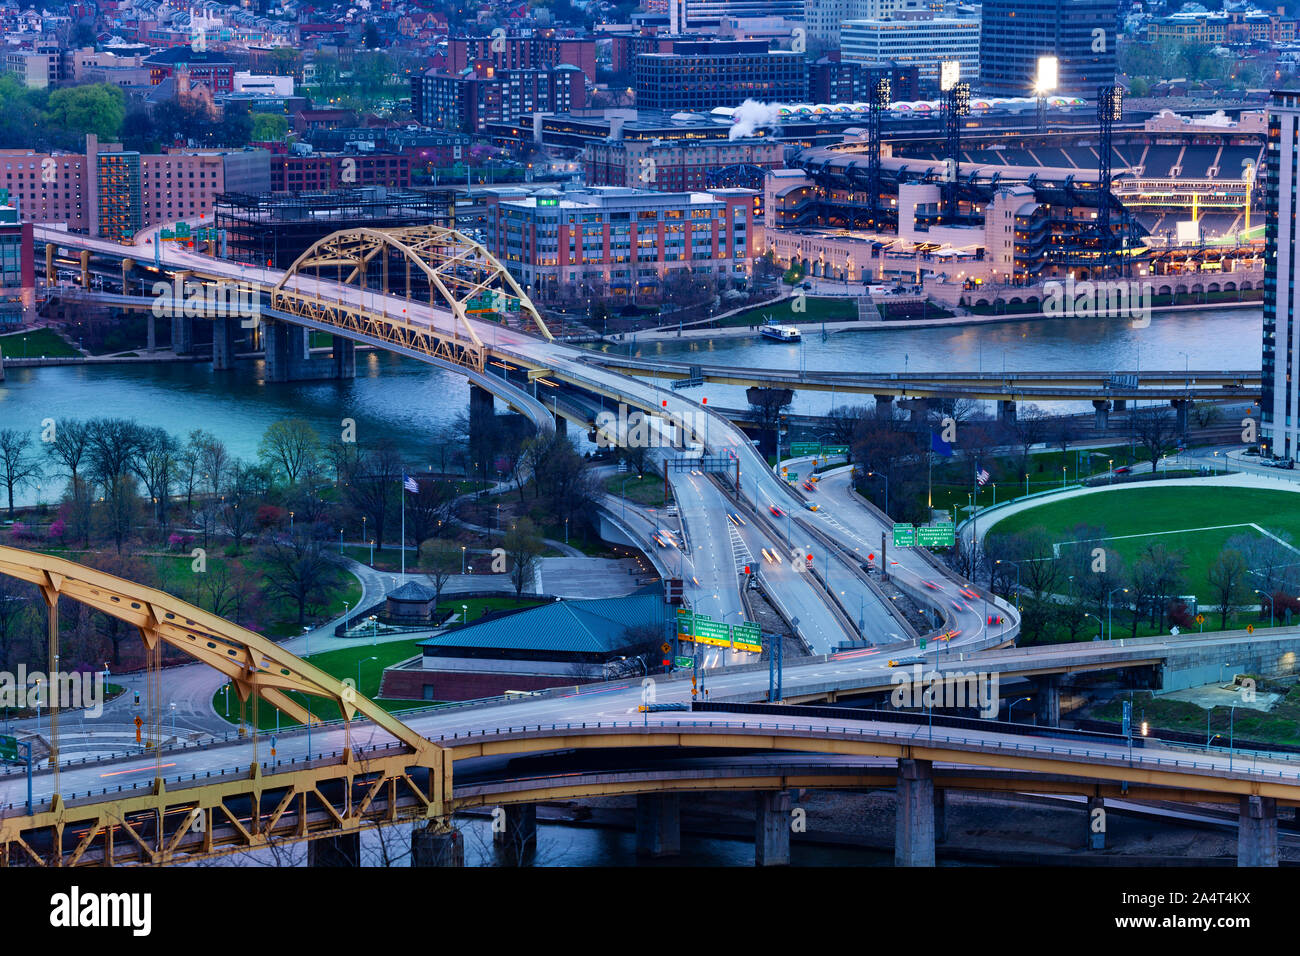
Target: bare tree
[(1153, 428), (299, 569), (443, 557), (372, 485), (1227, 580), (524, 547), (156, 461), (18, 466), (291, 445)]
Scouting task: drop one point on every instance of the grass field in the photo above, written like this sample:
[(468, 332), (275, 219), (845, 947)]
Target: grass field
[(35, 344), (1196, 520), (952, 480), (647, 490)]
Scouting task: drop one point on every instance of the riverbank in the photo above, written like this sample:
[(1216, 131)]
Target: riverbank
[(859, 326)]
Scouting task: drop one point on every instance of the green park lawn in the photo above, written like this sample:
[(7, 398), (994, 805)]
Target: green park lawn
[(36, 343), (1198, 520), (648, 490)]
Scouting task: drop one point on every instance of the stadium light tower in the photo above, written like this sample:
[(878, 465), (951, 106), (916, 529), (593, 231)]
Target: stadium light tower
[(956, 104), (1045, 83), (880, 96), (1110, 106)]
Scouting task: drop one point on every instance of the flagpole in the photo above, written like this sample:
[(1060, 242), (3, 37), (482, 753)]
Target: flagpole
[(403, 524)]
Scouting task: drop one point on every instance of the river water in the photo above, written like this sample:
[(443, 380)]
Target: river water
[(407, 401)]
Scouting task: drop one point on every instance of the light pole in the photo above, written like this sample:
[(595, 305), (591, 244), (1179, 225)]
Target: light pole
[(359, 672), (1101, 628), (1269, 598), (372, 552), (1063, 468), (1017, 564), (885, 478), (1013, 707), (464, 614), (462, 559), (1110, 623), (1232, 713), (340, 540)]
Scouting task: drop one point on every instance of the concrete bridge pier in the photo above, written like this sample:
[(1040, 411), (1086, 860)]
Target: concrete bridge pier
[(433, 845), (1180, 407), (1007, 412), (183, 334), (481, 402), (1096, 824), (151, 332), (658, 825), (884, 405), (1257, 832), (2, 364), (1048, 703), (344, 356), (225, 333), (1103, 413), (561, 425), (288, 354), (914, 831), (940, 815), (341, 850), (772, 828), (516, 827)]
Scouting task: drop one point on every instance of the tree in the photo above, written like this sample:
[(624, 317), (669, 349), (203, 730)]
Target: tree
[(371, 485), (156, 465), (767, 404), (1227, 579), (1064, 430), (213, 458), (18, 466), (239, 504), (565, 482), (97, 108), (524, 547), (299, 569), (1205, 414), (1153, 428), (843, 424), (268, 127), (442, 558), (1029, 429), (291, 445), (428, 511)]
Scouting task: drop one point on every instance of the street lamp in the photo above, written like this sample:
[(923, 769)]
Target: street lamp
[(1110, 623), (359, 672), (1101, 628), (464, 614), (1013, 707), (1017, 564), (885, 478), (1269, 598), (462, 559)]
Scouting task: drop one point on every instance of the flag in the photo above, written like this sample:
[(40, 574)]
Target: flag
[(409, 484), (939, 446), (981, 476)]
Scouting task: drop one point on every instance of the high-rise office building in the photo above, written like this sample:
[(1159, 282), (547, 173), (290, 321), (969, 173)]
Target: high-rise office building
[(1015, 33), (822, 18), (923, 43), (712, 12), (1280, 392)]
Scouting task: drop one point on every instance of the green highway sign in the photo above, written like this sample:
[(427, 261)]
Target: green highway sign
[(921, 643), (683, 662), (791, 476), (747, 637), (936, 535), (704, 630), (8, 748), (904, 536), (801, 448)]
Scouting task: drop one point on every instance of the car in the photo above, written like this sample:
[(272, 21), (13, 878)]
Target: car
[(812, 506), (967, 592), (1123, 470), (807, 285), (1287, 463), (809, 486), (903, 661), (770, 557), (736, 518), (932, 586), (776, 511), (659, 540), (958, 606)]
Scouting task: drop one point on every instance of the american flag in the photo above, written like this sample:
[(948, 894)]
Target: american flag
[(410, 484), (981, 476)]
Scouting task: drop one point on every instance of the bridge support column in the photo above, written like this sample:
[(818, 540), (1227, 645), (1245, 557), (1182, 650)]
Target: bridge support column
[(1103, 412), (561, 425), (517, 830), (884, 406), (1007, 412), (940, 815), (1257, 832), (1096, 824), (1049, 700), (85, 268), (128, 266), (1180, 407), (182, 334), (433, 845), (288, 355), (225, 333), (151, 332), (481, 402), (658, 825), (772, 828), (914, 832), (341, 850), (345, 357)]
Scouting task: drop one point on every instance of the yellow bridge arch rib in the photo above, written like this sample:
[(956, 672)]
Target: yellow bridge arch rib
[(459, 271), (252, 662)]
